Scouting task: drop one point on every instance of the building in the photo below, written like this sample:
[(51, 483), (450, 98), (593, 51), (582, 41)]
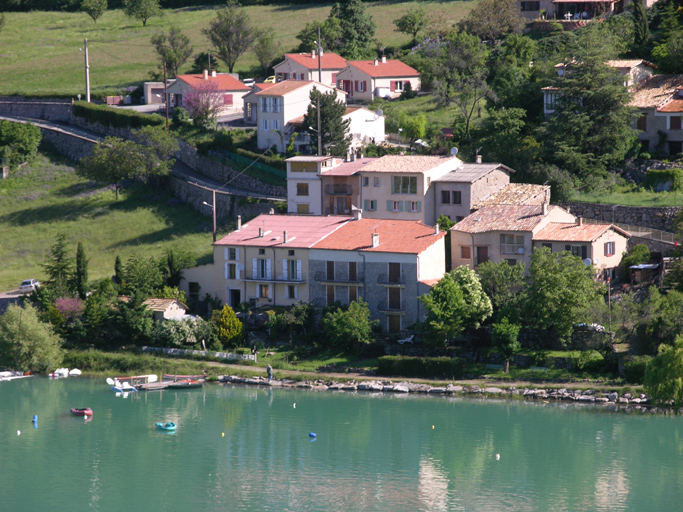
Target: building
[(251, 103), (304, 66), (389, 263), (229, 87), (379, 78), (569, 12)]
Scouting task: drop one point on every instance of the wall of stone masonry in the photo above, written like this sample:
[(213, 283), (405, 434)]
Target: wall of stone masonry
[(49, 109), (650, 217), (69, 145)]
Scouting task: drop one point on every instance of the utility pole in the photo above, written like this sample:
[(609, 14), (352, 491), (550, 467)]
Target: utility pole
[(214, 215), (320, 79), (166, 97), (87, 71), (320, 69)]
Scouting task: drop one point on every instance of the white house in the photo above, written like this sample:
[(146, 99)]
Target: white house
[(304, 66), (232, 90), (379, 78)]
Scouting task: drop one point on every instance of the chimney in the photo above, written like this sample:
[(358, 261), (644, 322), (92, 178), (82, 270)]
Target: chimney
[(384, 59), (284, 238), (271, 211), (478, 159), (375, 239), (579, 221), (436, 229), (213, 73), (239, 222), (357, 214), (206, 74), (260, 232), (545, 209), (376, 62)]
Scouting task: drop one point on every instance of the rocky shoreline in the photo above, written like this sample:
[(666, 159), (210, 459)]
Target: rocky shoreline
[(587, 396)]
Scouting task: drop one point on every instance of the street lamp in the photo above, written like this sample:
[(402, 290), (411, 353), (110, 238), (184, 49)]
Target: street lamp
[(213, 210), (399, 137)]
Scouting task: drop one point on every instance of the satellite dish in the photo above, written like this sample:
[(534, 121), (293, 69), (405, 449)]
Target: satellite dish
[(379, 112), (596, 261), (520, 250), (560, 72), (454, 151), (587, 262)]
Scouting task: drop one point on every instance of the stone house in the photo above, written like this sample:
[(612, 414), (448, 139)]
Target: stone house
[(389, 263), (379, 78), (572, 9), (229, 87), (165, 309), (304, 66)]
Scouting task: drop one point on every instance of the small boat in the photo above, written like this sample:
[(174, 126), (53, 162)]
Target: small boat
[(120, 387), (60, 372), (75, 372), (168, 377), (168, 426), (82, 412)]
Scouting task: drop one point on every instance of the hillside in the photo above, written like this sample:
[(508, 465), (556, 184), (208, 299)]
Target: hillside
[(47, 197), (40, 50)]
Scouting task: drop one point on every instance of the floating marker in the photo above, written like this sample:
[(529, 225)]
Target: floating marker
[(432, 427), (35, 418), (312, 434), (18, 432), (222, 434), (294, 405), (497, 456)]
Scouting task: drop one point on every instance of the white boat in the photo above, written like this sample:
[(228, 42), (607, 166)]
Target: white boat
[(75, 372), (60, 372)]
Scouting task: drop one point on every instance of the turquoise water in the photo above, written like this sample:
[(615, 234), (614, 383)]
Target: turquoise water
[(372, 452)]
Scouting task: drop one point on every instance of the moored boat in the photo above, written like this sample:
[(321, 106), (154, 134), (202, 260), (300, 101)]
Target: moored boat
[(87, 411), (168, 377), (168, 426)]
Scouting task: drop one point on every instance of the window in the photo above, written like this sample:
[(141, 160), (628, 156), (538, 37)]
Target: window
[(457, 197), (399, 85), (330, 270), (294, 270), (264, 291), (458, 218), (376, 182), (302, 189), (512, 239), (232, 271), (353, 293), (396, 206), (263, 267), (261, 251), (232, 253), (550, 100), (265, 125), (511, 261), (405, 185), (366, 181), (641, 123), (577, 250), (394, 272), (371, 205), (276, 104), (291, 291), (353, 274), (291, 252), (265, 104), (530, 6), (675, 148), (610, 248), (330, 295), (675, 123), (302, 209), (414, 206), (445, 197), (548, 246), (276, 124), (465, 252)]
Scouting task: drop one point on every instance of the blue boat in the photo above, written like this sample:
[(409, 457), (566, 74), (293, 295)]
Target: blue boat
[(167, 426)]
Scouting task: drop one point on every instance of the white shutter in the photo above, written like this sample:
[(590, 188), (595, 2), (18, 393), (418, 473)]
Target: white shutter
[(226, 253), (255, 274), (226, 270), (240, 269), (270, 295), (298, 270), (237, 253), (296, 292), (267, 269), (284, 270)]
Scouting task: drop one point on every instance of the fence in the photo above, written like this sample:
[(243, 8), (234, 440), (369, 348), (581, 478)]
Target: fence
[(640, 232), (243, 160), (204, 353)]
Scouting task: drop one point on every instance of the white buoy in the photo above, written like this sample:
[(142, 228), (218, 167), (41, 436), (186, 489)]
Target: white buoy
[(18, 432), (497, 456), (294, 405)]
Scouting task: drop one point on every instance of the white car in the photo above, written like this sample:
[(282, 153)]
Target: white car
[(29, 285)]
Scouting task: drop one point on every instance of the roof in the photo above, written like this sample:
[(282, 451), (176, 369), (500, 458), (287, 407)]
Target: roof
[(349, 110), (516, 193), (430, 282), (302, 231), (225, 82), (308, 158), (348, 168), (156, 304), (502, 218), (672, 106), (469, 173), (628, 64), (285, 87), (409, 163), (327, 60), (656, 90), (390, 68), (572, 232), (395, 236)]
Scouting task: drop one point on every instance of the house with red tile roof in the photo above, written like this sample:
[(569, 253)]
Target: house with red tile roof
[(511, 233), (304, 66), (230, 89), (389, 263), (378, 78)]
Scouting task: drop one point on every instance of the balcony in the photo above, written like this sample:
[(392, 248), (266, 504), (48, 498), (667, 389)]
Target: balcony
[(398, 306), (512, 248), (275, 279), (321, 277), (391, 280), (338, 190)]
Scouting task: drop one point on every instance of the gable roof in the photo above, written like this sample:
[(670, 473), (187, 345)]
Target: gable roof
[(672, 106), (516, 193), (287, 86), (395, 236), (469, 173), (628, 63), (656, 90), (348, 168), (572, 232), (225, 82), (502, 218), (307, 60), (302, 231), (390, 68), (162, 305), (409, 163)]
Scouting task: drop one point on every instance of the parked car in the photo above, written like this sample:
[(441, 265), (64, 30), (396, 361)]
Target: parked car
[(29, 285), (248, 82), (269, 80)]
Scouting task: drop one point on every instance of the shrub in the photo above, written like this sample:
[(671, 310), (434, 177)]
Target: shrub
[(421, 367), (634, 369), (656, 177), (645, 156), (180, 116), (116, 118), (638, 254)]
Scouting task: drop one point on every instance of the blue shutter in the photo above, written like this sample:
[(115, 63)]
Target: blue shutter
[(365, 205), (400, 206), (388, 205), (419, 206)]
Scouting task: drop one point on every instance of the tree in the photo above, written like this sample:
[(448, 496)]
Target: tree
[(559, 293), (639, 253), (18, 141), (142, 9), (181, 334), (503, 140), (159, 148), (94, 8), (357, 29), (641, 41), (118, 270), (491, 20), (346, 327), (173, 49), (132, 320), (669, 54), (415, 127), (204, 61), (503, 283), (173, 263), (412, 22), (504, 338), (141, 275), (81, 275), (455, 303), (267, 50), (204, 101), (663, 374), (229, 329), (26, 343), (59, 267), (333, 128), (330, 35), (231, 33)]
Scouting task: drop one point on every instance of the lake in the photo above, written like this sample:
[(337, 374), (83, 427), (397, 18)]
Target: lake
[(248, 449)]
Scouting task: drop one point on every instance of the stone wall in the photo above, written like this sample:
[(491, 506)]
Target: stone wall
[(650, 217), (655, 245), (50, 109), (69, 145)]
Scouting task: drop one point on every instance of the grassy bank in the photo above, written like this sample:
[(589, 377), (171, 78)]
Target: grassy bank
[(121, 54), (631, 196), (47, 196)]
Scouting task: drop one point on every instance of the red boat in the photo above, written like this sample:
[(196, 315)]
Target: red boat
[(82, 412)]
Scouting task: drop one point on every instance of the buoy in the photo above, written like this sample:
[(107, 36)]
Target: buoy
[(312, 434), (294, 405), (18, 432), (497, 456), (222, 434), (432, 427), (35, 418)]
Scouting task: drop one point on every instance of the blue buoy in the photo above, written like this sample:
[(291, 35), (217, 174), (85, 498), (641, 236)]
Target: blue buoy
[(312, 434), (35, 418)]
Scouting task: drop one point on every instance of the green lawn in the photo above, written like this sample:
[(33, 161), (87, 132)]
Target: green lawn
[(629, 196), (39, 51), (46, 197)]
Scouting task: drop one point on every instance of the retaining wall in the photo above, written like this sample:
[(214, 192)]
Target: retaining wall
[(51, 110), (69, 145), (651, 217)]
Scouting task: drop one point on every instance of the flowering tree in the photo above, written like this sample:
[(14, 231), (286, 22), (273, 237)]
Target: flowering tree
[(69, 307), (204, 102)]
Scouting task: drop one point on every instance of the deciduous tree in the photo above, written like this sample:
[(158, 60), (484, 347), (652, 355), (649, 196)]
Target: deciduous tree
[(330, 35), (503, 283), (142, 9), (94, 8), (504, 338), (174, 49), (346, 327), (333, 129), (491, 20), (18, 141), (231, 33), (412, 22), (663, 374), (267, 50), (204, 101)]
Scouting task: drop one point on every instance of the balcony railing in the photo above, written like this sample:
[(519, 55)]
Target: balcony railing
[(512, 248), (338, 190), (391, 305), (391, 279), (337, 211), (323, 278), (275, 278)]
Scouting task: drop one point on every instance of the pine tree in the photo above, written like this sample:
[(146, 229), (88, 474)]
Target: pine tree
[(357, 29), (334, 129), (59, 268)]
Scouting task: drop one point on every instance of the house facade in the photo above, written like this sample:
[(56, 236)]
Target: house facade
[(378, 78), (572, 10), (304, 66), (389, 263), (229, 88)]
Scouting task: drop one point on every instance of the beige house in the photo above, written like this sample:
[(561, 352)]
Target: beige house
[(304, 66), (379, 78), (165, 309), (262, 262), (572, 10), (230, 90), (251, 103)]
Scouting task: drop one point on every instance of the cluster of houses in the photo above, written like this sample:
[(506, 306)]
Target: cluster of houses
[(367, 227)]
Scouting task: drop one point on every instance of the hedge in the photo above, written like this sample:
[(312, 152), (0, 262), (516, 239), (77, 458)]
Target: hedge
[(655, 177), (273, 162), (421, 367), (117, 118), (634, 369)]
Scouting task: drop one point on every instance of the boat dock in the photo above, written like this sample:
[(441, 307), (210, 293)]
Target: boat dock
[(157, 386)]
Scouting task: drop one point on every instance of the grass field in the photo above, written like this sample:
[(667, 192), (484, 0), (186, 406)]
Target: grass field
[(39, 51), (630, 196), (47, 197)]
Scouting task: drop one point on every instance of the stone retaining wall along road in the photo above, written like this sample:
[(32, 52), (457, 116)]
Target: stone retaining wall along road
[(650, 217), (48, 109)]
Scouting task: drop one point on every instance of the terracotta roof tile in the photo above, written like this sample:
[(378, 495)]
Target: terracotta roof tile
[(656, 90), (327, 61), (502, 218), (156, 304), (225, 82), (566, 232), (469, 173), (672, 106), (390, 68), (349, 168), (628, 64), (410, 163), (287, 86), (516, 193)]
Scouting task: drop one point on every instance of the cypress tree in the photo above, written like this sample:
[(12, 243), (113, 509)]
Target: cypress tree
[(118, 270), (81, 271), (642, 31)]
